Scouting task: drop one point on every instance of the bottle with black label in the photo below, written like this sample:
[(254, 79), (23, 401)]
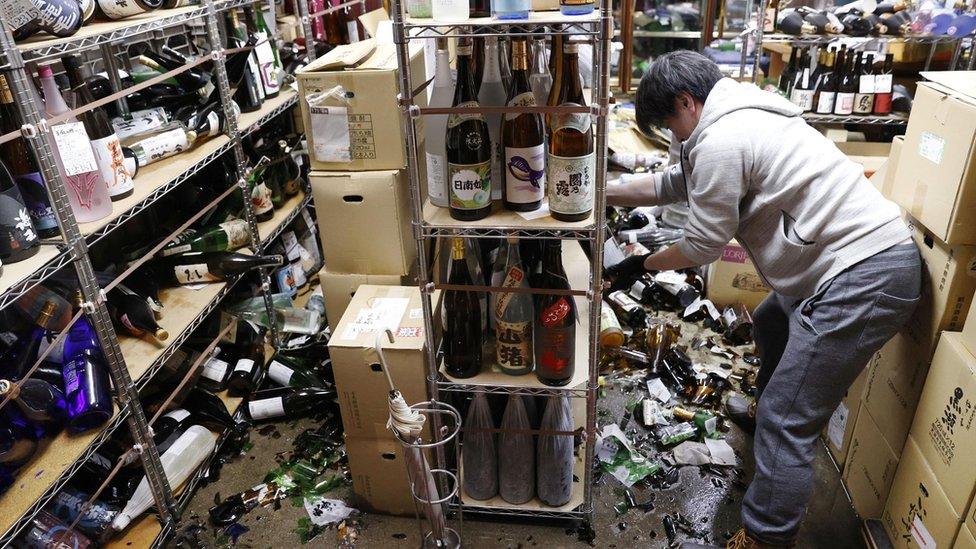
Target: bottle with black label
[(133, 313), (18, 239), (120, 9)]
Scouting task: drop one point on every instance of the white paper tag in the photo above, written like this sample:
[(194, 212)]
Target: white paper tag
[(215, 369), (931, 147), (386, 312), (543, 211), (330, 134), (657, 390), (244, 365), (74, 148), (838, 425), (266, 408), (324, 511), (179, 414), (921, 534), (279, 373), (416, 313)]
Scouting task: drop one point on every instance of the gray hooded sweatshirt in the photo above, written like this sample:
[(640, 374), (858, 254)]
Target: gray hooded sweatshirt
[(754, 170)]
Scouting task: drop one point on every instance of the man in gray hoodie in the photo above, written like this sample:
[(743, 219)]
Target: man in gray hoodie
[(840, 260)]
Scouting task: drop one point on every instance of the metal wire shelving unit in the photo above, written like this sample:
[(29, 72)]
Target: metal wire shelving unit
[(132, 362), (430, 222)]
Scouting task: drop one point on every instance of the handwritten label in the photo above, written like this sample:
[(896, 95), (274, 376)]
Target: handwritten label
[(74, 147)]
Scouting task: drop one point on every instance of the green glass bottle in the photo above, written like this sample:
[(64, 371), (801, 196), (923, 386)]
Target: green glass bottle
[(292, 372), (225, 237)]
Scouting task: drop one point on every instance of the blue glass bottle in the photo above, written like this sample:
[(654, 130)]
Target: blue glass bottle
[(576, 7), (511, 9), (86, 383)]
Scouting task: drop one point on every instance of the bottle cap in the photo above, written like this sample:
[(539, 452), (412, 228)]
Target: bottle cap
[(46, 314), (161, 334), (9, 389)]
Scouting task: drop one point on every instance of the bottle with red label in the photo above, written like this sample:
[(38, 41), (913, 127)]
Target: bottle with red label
[(555, 322)]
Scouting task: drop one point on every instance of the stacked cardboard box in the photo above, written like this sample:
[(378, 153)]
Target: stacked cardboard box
[(358, 156), (733, 279), (375, 456), (932, 176)]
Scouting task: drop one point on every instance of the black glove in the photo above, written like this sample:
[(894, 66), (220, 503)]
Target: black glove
[(626, 272)]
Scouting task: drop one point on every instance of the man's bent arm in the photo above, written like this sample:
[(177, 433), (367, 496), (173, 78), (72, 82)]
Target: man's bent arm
[(650, 190)]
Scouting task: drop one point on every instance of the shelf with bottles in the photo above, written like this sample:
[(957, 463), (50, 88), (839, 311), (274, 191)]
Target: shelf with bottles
[(502, 222), (250, 122), (807, 39), (16, 279), (576, 25), (40, 479), (272, 228), (893, 119), (492, 380), (640, 33)]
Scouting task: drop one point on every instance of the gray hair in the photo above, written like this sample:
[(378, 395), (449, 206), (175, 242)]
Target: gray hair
[(670, 75)]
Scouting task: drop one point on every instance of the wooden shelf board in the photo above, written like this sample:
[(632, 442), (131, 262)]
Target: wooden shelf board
[(268, 227), (13, 273), (500, 218)]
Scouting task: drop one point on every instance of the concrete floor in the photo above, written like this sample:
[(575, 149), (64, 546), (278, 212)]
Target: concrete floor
[(712, 507)]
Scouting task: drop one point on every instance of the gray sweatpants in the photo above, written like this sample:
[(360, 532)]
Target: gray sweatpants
[(811, 351)]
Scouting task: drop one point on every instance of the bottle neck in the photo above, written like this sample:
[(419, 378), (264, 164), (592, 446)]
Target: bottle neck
[(442, 69), (492, 71), (53, 101), (465, 78), (572, 88)]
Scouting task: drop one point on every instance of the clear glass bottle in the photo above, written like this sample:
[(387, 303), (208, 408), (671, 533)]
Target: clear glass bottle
[(435, 127), (163, 142), (450, 10), (492, 94), (539, 78)]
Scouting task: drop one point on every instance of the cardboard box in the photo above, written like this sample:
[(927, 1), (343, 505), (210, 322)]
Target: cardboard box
[(969, 329), (917, 513), (894, 385), (733, 279), (971, 518), (965, 540), (936, 177), (945, 423), (840, 428), (367, 74), (364, 221), (884, 177), (339, 288), (360, 381), (379, 475), (948, 283), (870, 155), (870, 468)]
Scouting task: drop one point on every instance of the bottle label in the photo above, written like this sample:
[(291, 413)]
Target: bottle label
[(165, 144), (118, 9), (435, 177), (111, 164), (266, 60), (882, 83), (571, 183), (455, 119), (213, 123), (261, 199), (513, 279), (863, 103), (191, 274), (578, 121), (608, 320), (524, 99), (32, 189), (238, 233), (15, 223), (176, 250), (215, 369), (279, 373), (825, 104), (556, 355), (141, 122), (802, 99), (525, 172), (266, 408), (514, 344), (244, 365), (178, 415), (866, 84), (470, 185), (845, 103), (74, 148), (555, 313), (72, 381)]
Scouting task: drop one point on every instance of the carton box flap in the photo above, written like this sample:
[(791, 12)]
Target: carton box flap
[(343, 57), (371, 20), (962, 82)]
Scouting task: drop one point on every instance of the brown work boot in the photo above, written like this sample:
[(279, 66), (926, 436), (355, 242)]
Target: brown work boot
[(742, 411)]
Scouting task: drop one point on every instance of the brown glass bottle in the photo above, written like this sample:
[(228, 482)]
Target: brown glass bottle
[(523, 140), (555, 322), (463, 337), (571, 159)]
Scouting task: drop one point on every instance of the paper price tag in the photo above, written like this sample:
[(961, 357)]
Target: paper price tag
[(74, 148), (330, 134), (18, 13)]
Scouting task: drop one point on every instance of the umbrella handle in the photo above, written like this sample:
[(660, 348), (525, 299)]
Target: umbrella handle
[(378, 345)]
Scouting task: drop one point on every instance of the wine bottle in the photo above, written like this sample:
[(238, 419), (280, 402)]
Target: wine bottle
[(802, 94), (864, 98), (225, 237), (86, 382), (555, 322), (514, 315), (539, 78), (44, 531), (479, 453), (216, 369), (511, 9), (504, 62), (105, 144), (120, 9), (195, 267), (463, 335), (524, 140), (87, 192), (435, 127), (290, 402), (571, 161), (18, 239), (170, 139), (516, 469), (261, 196), (38, 401), (249, 367), (139, 122), (848, 85), (492, 94), (20, 357), (556, 68), (290, 372), (133, 313), (611, 333), (96, 519), (59, 18), (826, 93), (336, 32), (22, 165), (883, 87), (267, 53), (250, 94), (787, 77), (181, 460), (480, 8), (469, 151), (627, 309), (208, 410), (554, 458), (170, 427), (18, 442)]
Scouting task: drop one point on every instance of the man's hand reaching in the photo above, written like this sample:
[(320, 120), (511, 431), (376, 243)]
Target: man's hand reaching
[(627, 271)]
